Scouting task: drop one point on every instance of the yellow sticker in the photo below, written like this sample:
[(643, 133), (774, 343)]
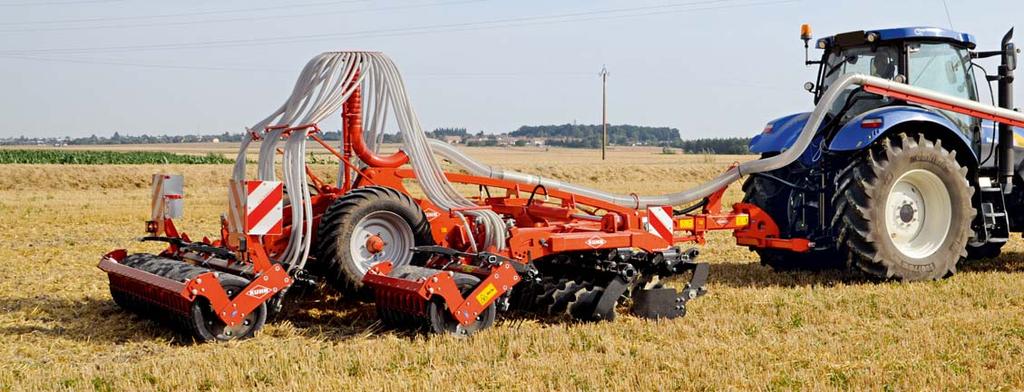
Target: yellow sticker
[(486, 294), (686, 224), (742, 220)]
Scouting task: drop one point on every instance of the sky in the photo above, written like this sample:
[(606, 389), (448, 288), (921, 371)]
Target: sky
[(711, 68)]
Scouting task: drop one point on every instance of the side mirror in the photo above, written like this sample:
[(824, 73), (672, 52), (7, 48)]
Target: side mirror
[(809, 86), (1010, 52)]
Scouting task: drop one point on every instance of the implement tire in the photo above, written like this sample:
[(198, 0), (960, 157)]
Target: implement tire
[(441, 319), (345, 228), (903, 209)]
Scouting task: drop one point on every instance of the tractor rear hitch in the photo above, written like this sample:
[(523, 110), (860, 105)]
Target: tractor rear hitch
[(763, 232)]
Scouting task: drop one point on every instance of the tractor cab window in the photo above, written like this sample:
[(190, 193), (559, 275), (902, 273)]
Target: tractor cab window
[(945, 69), (880, 61)]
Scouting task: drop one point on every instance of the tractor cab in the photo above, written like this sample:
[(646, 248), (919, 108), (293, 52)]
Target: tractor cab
[(928, 57)]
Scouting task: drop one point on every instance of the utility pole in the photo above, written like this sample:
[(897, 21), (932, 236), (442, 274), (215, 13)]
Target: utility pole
[(604, 109)]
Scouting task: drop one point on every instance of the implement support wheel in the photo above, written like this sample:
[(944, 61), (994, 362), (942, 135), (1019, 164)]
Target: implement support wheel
[(367, 226), (442, 321)]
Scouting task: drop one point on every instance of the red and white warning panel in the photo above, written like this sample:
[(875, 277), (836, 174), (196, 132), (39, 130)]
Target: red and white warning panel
[(660, 222), (256, 207)]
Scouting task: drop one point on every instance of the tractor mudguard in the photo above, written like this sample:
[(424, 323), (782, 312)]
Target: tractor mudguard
[(855, 136), (779, 134)]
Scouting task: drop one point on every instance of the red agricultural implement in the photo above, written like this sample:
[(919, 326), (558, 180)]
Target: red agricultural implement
[(565, 253)]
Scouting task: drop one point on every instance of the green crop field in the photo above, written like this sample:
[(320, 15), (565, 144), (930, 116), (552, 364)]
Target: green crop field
[(79, 157)]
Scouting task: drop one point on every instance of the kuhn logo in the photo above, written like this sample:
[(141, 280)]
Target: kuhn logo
[(431, 214), (258, 292), (596, 242)]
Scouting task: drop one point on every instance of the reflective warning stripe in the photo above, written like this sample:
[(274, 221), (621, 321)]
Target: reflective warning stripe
[(660, 222), (264, 207)]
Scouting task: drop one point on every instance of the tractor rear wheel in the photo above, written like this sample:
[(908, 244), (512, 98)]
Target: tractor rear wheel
[(903, 209), (773, 198), (367, 226)]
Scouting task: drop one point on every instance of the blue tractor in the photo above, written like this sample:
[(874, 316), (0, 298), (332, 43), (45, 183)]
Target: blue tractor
[(898, 190)]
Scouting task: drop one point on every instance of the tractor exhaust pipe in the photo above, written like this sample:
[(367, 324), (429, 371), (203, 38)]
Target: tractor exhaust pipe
[(1005, 153)]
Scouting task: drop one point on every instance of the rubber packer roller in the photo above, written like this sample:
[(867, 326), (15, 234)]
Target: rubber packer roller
[(455, 298), (208, 304)]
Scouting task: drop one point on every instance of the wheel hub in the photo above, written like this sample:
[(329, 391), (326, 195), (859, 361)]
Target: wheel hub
[(918, 213), (381, 236), (906, 213), (221, 330), (375, 244)]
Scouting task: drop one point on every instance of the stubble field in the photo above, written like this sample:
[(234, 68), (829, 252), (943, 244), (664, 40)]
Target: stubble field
[(756, 329)]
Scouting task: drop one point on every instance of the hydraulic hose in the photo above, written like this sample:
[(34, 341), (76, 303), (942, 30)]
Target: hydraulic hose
[(329, 79), (755, 166), (325, 84)]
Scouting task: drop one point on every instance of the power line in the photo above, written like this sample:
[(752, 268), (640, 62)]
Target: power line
[(465, 26), (139, 64), (69, 2), (176, 15), (948, 18), (420, 75), (244, 18)]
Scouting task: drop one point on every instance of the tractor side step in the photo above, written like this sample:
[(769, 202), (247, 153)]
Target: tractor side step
[(994, 220)]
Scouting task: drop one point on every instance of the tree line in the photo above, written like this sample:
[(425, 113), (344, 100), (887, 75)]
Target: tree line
[(617, 134), (729, 145), (564, 135)]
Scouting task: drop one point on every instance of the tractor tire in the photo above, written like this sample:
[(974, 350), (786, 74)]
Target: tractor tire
[(903, 209), (773, 198), (345, 229)]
